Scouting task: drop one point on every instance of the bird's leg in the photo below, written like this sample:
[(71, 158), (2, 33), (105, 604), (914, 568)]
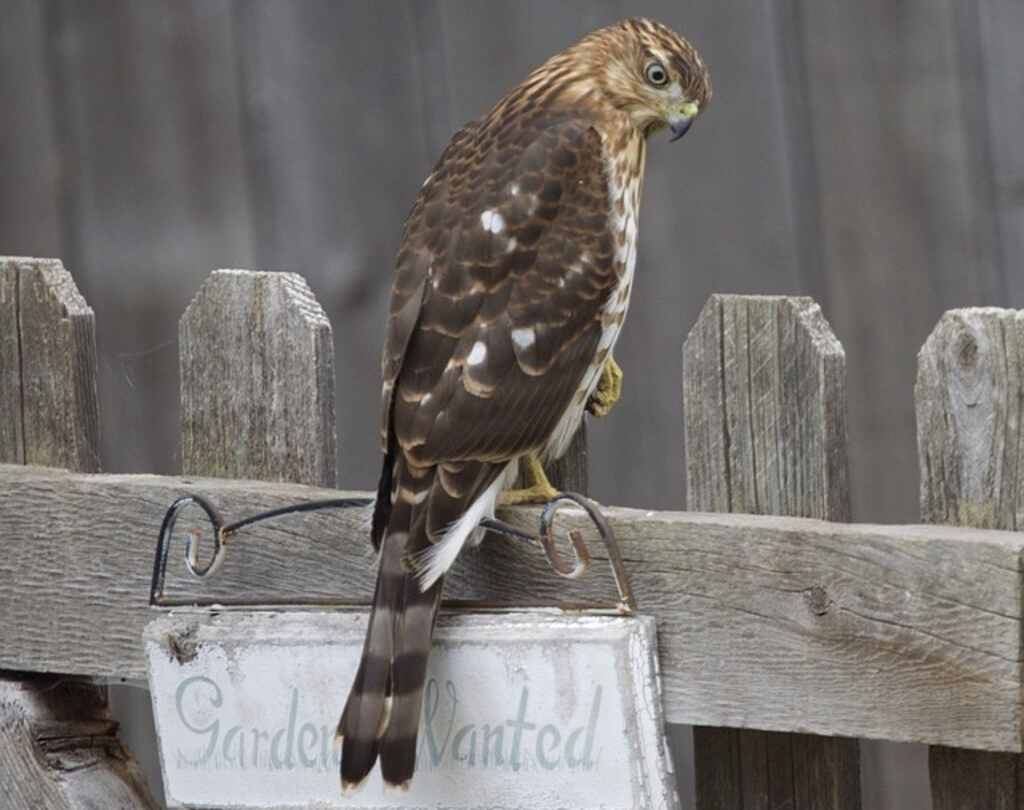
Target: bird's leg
[(538, 489), (608, 391)]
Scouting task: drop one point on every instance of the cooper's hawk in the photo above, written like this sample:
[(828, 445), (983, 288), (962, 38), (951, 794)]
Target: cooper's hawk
[(511, 285)]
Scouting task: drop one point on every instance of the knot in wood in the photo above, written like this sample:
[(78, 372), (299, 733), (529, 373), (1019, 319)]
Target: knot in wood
[(818, 600), (967, 350)]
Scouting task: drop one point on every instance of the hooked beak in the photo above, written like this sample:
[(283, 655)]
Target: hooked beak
[(679, 122), (679, 127)]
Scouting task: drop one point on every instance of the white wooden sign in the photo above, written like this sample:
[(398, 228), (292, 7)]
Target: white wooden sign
[(538, 709)]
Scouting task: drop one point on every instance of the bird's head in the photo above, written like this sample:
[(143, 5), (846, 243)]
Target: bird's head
[(646, 71)]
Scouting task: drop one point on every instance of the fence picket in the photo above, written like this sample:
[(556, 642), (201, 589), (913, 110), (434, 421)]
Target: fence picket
[(970, 420), (48, 410), (764, 389), (51, 727), (257, 380)]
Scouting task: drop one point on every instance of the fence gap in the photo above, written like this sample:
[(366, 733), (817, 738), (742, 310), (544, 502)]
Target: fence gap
[(58, 744), (257, 381), (970, 421), (764, 393)]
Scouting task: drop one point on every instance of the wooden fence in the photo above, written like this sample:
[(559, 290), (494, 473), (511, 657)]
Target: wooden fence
[(785, 633)]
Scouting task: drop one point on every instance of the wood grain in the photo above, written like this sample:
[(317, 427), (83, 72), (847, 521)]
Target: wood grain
[(59, 749), (897, 632), (764, 395), (257, 380), (970, 419), (48, 357), (974, 780), (970, 412), (12, 442), (769, 770), (764, 390)]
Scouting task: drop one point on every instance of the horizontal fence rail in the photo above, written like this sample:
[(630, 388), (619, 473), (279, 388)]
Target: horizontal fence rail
[(896, 632)]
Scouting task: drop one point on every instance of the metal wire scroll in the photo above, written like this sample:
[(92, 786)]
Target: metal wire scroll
[(221, 533)]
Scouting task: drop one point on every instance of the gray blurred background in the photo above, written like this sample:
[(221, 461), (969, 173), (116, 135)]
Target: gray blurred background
[(868, 154)]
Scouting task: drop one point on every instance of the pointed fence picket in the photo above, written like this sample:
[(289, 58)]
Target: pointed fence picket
[(970, 437), (58, 744), (764, 395)]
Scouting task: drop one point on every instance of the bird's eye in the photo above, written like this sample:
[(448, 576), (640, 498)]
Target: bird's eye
[(656, 74)]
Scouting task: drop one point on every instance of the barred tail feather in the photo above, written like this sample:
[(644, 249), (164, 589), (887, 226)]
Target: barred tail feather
[(381, 718), (366, 711), (409, 677), (382, 715)]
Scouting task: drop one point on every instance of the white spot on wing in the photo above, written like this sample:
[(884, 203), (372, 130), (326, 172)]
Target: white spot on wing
[(492, 221), (477, 354), (524, 338)]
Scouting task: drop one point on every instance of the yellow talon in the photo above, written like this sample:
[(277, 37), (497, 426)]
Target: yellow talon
[(608, 391), (538, 491)]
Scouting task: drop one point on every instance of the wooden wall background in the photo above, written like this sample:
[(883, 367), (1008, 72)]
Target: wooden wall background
[(868, 154)]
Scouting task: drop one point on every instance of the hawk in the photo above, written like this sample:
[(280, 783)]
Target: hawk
[(511, 285)]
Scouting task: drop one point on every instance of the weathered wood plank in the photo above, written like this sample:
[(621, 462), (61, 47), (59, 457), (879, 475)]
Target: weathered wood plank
[(764, 394), (764, 389), (12, 443), (974, 780), (59, 748), (769, 770), (970, 419), (47, 366), (257, 380), (906, 633)]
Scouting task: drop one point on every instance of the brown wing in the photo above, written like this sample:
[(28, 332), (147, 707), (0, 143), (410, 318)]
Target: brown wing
[(412, 268), (505, 266), (510, 255)]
